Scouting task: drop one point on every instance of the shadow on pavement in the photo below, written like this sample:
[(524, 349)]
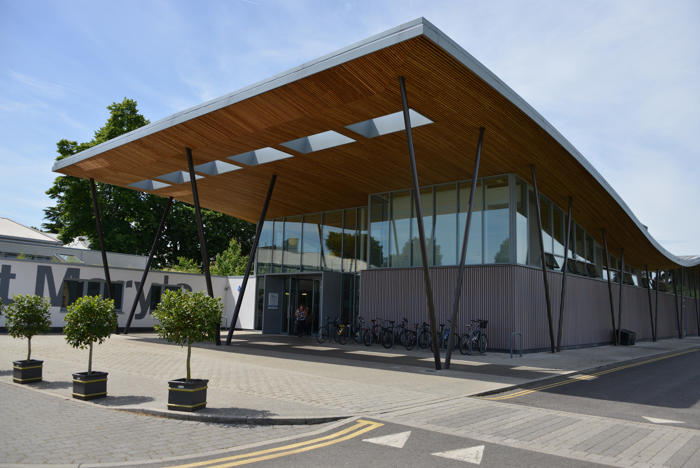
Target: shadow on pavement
[(53, 384), (124, 400)]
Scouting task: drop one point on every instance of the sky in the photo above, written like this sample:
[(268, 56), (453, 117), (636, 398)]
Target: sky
[(619, 79)]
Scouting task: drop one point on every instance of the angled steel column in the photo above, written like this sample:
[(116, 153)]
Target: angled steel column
[(675, 289), (251, 258), (697, 304), (542, 259), (148, 264), (612, 304), (421, 229), (98, 224), (681, 322), (619, 304), (200, 232), (563, 275), (656, 303), (651, 313), (463, 257)]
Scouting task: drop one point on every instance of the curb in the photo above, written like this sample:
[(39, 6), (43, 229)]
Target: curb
[(566, 375), (222, 419)]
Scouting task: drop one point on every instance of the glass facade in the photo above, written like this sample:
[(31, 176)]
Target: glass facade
[(384, 234)]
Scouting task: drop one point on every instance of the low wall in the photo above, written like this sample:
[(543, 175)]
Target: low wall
[(511, 298)]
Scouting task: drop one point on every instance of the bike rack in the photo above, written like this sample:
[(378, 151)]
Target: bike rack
[(512, 335)]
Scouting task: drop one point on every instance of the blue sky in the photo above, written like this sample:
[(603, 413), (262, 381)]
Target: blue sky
[(620, 79)]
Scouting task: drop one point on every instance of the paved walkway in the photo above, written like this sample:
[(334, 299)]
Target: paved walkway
[(264, 379)]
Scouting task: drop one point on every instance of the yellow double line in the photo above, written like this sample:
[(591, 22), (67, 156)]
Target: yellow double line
[(361, 426), (586, 377)]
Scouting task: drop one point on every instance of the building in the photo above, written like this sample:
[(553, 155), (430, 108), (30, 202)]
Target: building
[(341, 230), (34, 262)]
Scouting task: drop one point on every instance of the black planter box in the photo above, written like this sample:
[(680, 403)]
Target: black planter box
[(89, 386), (187, 396), (27, 371)]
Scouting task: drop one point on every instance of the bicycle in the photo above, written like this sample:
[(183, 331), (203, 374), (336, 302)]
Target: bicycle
[(410, 338), (475, 337), (357, 330), (423, 336), (444, 336), (336, 331)]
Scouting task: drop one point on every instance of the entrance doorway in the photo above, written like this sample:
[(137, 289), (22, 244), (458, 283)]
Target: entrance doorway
[(301, 291)]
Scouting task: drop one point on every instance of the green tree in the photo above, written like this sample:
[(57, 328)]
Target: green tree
[(185, 318), (90, 319), (230, 262), (27, 315), (129, 217), (184, 265)]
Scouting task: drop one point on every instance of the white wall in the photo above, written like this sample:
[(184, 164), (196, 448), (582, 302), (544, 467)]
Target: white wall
[(46, 279)]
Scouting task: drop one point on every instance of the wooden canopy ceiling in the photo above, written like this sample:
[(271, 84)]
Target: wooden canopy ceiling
[(439, 86)]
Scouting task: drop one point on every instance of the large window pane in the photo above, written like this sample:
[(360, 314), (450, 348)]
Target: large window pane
[(350, 240), (311, 242), (580, 244), (558, 234), (533, 232), (278, 245), (400, 229), (362, 240), (426, 196), (332, 241), (446, 225), (475, 242), (496, 233), (292, 244), (379, 231), (265, 248), (521, 220)]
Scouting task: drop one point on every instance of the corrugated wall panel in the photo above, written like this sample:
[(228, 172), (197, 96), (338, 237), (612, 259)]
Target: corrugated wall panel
[(511, 298)]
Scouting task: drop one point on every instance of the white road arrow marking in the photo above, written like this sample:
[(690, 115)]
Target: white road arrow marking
[(397, 440), (662, 421), (470, 454)]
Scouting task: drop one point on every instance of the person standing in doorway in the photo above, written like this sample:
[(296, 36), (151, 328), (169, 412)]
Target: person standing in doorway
[(300, 316)]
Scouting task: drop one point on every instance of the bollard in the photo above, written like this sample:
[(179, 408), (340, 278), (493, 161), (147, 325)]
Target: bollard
[(511, 343)]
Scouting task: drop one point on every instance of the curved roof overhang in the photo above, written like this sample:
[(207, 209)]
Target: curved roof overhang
[(355, 84)]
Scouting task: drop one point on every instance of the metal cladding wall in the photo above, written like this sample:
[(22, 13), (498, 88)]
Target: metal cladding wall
[(511, 298)]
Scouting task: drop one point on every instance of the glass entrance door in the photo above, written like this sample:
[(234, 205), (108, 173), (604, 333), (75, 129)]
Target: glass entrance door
[(301, 292)]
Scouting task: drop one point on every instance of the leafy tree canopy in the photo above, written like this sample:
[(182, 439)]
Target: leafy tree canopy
[(230, 262), (184, 265), (28, 315), (130, 218)]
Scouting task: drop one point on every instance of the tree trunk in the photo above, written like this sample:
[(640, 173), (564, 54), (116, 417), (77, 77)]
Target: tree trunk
[(90, 361), (29, 348), (189, 352)]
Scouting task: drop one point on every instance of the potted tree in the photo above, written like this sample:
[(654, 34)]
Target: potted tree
[(90, 319), (27, 315), (185, 318)]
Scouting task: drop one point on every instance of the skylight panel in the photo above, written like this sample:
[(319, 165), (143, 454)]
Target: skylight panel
[(388, 124), (217, 167), (149, 184), (260, 156), (178, 177), (318, 142)]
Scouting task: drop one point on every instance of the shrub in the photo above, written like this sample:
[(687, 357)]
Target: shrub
[(27, 315), (185, 318), (90, 319)]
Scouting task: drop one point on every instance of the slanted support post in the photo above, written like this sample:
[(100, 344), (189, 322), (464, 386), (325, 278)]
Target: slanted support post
[(656, 302), (463, 256), (148, 264), (542, 258), (697, 303), (678, 316), (564, 269), (681, 322), (651, 313), (421, 229), (251, 259), (98, 224), (200, 232), (610, 293), (619, 304)]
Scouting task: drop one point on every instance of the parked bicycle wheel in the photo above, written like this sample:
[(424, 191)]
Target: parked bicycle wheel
[(341, 335), (367, 337), (322, 336), (464, 346), (409, 340), (387, 339), (483, 343), (424, 339)]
